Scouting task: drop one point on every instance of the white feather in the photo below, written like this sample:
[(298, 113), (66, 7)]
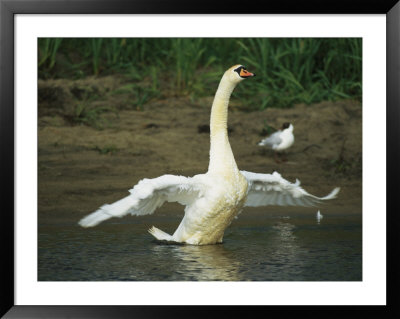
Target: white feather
[(146, 197), (272, 189)]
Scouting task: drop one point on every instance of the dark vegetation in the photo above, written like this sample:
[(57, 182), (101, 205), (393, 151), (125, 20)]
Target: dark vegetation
[(289, 70)]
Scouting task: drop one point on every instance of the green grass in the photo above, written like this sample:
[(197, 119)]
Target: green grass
[(85, 113), (289, 70), (48, 49)]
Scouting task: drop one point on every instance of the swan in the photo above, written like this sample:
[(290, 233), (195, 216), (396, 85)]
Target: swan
[(280, 140), (212, 199)]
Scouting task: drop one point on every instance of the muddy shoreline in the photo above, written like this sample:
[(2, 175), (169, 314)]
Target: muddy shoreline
[(81, 167)]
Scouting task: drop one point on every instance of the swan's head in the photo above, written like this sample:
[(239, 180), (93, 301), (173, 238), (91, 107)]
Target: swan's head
[(238, 73)]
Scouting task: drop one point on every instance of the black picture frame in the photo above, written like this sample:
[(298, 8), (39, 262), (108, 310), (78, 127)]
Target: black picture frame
[(8, 10)]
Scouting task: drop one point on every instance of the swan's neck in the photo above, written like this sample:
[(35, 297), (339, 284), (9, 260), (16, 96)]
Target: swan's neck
[(221, 156)]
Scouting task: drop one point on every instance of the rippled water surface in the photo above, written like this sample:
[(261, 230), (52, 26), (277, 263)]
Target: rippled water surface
[(282, 248)]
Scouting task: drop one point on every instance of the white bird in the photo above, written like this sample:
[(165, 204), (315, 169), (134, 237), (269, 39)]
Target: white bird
[(319, 216), (212, 199), (280, 140)]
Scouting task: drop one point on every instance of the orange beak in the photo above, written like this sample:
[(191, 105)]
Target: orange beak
[(244, 73)]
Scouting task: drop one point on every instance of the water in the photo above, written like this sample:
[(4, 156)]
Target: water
[(255, 248)]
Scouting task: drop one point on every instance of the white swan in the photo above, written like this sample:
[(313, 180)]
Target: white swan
[(212, 199), (280, 140)]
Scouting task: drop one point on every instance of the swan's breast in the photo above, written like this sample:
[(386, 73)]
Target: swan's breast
[(228, 194), (206, 220)]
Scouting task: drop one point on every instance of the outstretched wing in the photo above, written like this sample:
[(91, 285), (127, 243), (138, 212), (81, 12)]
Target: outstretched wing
[(272, 189), (147, 196)]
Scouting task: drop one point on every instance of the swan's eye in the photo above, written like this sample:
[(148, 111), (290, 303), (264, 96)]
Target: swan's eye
[(243, 73), (240, 68)]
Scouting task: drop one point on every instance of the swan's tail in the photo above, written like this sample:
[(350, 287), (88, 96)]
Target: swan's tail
[(159, 234), (117, 209)]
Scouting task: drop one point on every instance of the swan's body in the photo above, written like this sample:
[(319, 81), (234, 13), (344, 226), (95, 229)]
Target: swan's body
[(212, 199), (281, 139)]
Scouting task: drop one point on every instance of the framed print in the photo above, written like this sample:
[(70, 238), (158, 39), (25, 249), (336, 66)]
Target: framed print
[(111, 109)]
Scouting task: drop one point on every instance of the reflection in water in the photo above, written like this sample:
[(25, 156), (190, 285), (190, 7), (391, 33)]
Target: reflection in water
[(285, 234), (282, 249), (209, 262), (285, 243)]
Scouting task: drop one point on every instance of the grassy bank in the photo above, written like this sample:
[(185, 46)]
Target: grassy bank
[(289, 70)]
